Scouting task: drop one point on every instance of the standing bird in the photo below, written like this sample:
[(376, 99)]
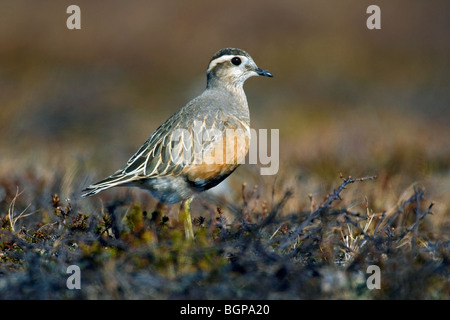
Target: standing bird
[(198, 146)]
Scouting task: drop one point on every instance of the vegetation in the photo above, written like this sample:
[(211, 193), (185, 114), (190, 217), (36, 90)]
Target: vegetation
[(364, 174), (126, 252)]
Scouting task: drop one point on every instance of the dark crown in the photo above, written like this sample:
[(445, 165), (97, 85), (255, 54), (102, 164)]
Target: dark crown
[(229, 51)]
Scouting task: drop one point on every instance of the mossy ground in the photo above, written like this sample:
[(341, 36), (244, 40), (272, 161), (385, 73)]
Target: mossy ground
[(76, 104)]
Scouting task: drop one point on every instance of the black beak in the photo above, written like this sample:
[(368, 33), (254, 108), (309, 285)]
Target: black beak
[(264, 73)]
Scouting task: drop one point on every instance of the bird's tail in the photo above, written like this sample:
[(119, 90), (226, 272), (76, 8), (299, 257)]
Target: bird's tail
[(115, 180)]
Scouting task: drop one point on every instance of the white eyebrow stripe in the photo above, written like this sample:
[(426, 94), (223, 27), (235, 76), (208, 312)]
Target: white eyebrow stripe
[(222, 59)]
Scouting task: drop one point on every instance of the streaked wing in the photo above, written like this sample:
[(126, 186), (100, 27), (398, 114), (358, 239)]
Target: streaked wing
[(154, 157), (177, 147)]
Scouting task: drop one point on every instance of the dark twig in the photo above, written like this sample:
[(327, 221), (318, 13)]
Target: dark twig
[(383, 215), (418, 195), (276, 209), (415, 226), (335, 195)]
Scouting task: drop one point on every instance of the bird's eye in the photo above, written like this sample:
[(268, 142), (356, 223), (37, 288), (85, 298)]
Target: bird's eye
[(236, 61)]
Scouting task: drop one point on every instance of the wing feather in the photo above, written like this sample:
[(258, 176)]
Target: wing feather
[(155, 158)]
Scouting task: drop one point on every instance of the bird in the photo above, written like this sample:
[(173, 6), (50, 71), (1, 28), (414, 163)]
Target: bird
[(200, 145)]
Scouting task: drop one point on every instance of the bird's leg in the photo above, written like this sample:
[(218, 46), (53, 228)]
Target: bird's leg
[(185, 216)]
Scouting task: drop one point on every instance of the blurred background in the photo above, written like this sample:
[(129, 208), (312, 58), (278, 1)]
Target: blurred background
[(76, 104)]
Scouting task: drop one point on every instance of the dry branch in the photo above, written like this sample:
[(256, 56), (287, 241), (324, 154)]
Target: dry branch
[(335, 195)]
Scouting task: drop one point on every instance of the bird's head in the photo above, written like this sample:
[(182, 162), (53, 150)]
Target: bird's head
[(232, 67)]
